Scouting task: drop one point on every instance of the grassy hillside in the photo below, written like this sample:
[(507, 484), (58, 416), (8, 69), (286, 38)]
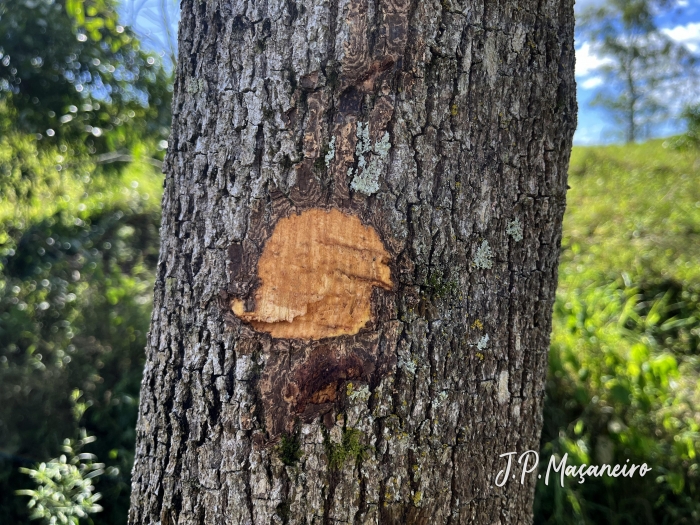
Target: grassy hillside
[(624, 359), (633, 209)]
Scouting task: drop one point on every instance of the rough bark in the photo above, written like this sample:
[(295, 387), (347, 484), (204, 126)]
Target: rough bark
[(442, 127)]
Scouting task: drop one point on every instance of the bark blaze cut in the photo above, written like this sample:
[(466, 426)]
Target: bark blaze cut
[(315, 280), (317, 273), (361, 224)]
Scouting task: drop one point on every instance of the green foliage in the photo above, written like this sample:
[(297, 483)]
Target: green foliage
[(691, 138), (70, 73), (21, 166), (78, 238), (632, 209), (289, 449), (625, 353), (78, 249), (65, 490), (642, 67)]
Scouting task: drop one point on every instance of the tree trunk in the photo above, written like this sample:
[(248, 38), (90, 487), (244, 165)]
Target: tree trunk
[(361, 226)]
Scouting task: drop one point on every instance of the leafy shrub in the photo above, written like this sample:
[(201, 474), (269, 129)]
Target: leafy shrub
[(615, 395), (78, 250), (65, 492)]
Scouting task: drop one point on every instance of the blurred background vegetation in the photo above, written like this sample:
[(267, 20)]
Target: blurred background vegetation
[(84, 120)]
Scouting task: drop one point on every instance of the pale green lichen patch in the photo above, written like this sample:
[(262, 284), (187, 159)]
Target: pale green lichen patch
[(441, 398), (367, 178), (195, 85), (382, 147), (515, 230), (330, 155), (483, 257), (408, 364), (362, 394), (363, 142), (483, 342)]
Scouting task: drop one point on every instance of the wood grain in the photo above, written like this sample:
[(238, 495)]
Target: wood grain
[(317, 272)]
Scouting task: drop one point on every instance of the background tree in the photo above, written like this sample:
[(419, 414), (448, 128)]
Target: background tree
[(691, 137), (648, 78), (70, 71), (361, 228)]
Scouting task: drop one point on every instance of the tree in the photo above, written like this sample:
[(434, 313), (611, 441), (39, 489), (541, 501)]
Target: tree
[(69, 71), (645, 72), (361, 224), (691, 137)]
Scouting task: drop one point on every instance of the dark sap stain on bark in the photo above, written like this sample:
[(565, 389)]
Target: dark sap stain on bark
[(302, 380)]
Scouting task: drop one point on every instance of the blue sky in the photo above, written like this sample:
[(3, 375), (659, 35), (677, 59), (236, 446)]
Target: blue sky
[(594, 126)]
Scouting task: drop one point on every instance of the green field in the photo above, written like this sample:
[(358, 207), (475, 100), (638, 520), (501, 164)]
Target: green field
[(78, 247), (624, 359)]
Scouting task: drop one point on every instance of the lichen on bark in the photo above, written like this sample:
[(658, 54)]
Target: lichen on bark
[(367, 178)]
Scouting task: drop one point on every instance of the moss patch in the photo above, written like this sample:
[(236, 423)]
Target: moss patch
[(438, 287), (289, 449), (350, 447)]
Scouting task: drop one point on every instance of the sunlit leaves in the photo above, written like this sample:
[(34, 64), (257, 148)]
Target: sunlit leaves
[(58, 54), (65, 491), (77, 252)]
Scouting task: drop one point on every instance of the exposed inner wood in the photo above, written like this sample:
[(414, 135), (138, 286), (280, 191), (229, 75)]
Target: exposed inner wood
[(317, 272)]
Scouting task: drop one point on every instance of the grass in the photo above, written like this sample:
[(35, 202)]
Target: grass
[(633, 209), (624, 360)]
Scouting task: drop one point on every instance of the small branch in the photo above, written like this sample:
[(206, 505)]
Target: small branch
[(108, 158)]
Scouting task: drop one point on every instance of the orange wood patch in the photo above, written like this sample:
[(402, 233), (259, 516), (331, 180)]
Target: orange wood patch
[(317, 272)]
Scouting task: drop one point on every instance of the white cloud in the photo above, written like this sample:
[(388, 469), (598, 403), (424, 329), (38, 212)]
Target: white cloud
[(688, 34), (591, 83), (587, 135), (587, 61)]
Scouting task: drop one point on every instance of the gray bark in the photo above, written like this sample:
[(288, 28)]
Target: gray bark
[(446, 127)]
